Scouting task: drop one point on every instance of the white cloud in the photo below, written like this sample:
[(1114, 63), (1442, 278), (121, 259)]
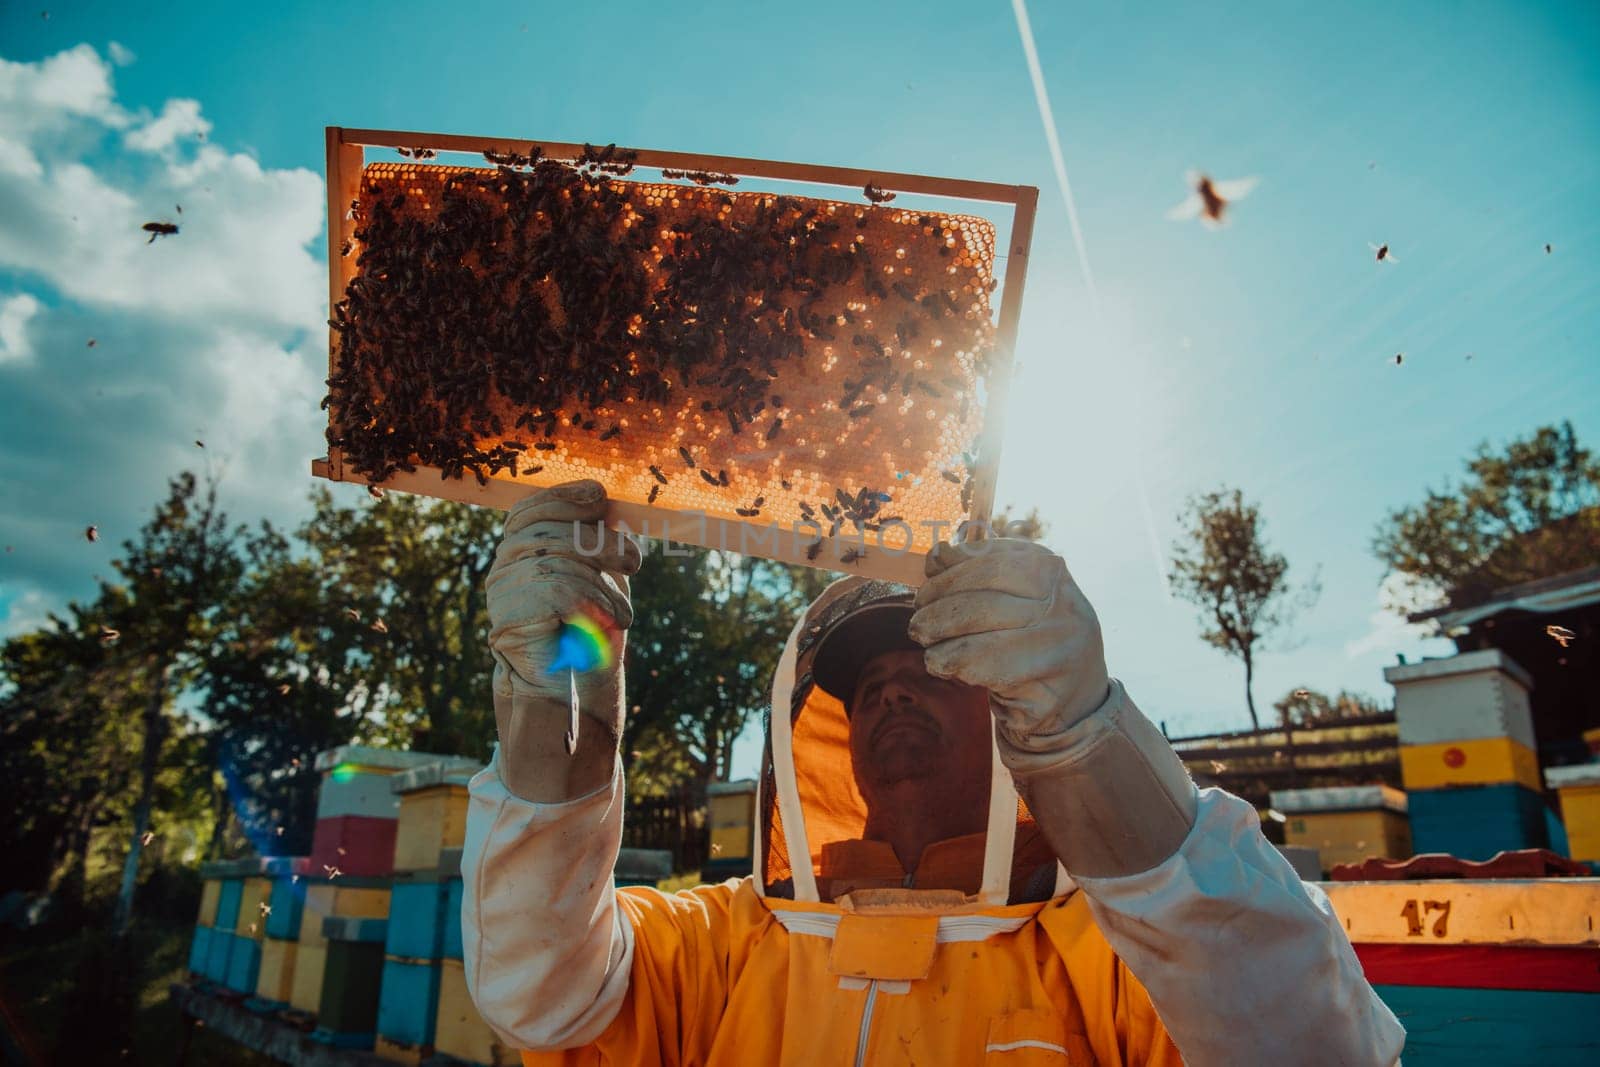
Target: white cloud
[(71, 85), (1388, 631), (26, 613), (180, 118), (15, 313), (216, 332), (120, 54)]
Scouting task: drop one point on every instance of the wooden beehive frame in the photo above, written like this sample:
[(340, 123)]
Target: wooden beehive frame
[(346, 160)]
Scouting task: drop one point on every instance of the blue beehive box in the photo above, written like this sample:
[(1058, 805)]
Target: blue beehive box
[(228, 904), (408, 1002), (417, 918), (197, 949), (452, 920), (219, 946), (286, 901), (244, 964), (1475, 822)]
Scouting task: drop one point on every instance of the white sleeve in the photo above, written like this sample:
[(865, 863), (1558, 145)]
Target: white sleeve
[(1244, 962), (547, 951)]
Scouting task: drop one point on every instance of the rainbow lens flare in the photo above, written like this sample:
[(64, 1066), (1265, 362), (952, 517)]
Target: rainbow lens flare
[(585, 644)]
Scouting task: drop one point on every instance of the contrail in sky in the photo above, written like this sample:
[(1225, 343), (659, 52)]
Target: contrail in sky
[(1047, 117)]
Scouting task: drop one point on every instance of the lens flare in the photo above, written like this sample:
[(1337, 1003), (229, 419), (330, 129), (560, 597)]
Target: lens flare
[(585, 644)]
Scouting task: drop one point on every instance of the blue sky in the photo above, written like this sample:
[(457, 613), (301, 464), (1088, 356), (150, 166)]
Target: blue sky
[(1466, 136)]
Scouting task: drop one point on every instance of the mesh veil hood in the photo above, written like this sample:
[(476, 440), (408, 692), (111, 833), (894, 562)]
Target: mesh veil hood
[(809, 805)]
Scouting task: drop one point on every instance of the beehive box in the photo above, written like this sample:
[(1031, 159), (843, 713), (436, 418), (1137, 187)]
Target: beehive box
[(1483, 761), (275, 978), (459, 1030), (797, 378), (433, 814), (1579, 790), (731, 812), (354, 898), (1346, 824), (1481, 694), (310, 964), (1475, 822)]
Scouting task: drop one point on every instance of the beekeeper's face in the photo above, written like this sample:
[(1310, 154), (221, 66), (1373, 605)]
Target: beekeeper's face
[(906, 725)]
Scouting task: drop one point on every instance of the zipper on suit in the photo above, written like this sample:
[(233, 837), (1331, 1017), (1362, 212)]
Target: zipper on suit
[(866, 1023)]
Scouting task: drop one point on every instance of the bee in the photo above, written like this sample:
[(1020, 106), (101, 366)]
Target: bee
[(876, 195), (710, 478), (108, 636), (655, 491), (375, 492), (1547, 250), (344, 249), (1210, 199), (616, 428), (774, 430), (158, 229), (92, 533), (950, 476), (379, 627), (777, 401), (1381, 252), (1560, 635), (283, 690), (92, 342), (813, 549), (733, 420), (747, 512), (687, 458), (353, 614), (545, 446), (656, 472), (864, 409), (1399, 358), (852, 554), (199, 444), (758, 501), (785, 483)]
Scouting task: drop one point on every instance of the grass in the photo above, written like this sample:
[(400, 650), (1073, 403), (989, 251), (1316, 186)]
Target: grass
[(43, 986)]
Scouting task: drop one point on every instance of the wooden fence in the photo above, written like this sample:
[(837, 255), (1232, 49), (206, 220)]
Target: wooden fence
[(676, 822), (1253, 763)]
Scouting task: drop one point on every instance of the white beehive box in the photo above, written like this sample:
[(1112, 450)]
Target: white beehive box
[(1473, 695)]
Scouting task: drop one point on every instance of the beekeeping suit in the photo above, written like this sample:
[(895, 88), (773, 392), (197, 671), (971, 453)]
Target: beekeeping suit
[(1111, 913)]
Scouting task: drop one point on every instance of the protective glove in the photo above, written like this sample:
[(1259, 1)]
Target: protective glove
[(539, 582), (1006, 615)]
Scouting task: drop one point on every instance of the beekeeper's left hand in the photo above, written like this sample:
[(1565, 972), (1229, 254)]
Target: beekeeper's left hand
[(1006, 615)]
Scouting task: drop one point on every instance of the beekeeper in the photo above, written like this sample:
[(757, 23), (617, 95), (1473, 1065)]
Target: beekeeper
[(905, 907)]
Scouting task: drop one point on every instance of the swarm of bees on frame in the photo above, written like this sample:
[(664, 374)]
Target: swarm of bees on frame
[(543, 311)]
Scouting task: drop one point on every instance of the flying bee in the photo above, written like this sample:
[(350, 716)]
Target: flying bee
[(353, 614), (158, 229), (1560, 635), (92, 533), (1381, 252), (375, 492), (108, 636), (1210, 199), (379, 626)]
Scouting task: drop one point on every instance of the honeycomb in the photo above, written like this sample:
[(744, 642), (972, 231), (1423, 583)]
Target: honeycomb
[(754, 357)]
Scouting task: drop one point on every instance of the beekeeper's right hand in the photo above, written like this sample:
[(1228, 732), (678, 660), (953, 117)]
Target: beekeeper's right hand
[(539, 581)]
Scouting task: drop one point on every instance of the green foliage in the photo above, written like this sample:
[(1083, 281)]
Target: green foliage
[(1308, 707), (1223, 566), (1529, 511), (708, 629)]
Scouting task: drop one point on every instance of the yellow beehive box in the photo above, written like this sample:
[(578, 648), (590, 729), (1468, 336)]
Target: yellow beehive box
[(731, 809), (305, 991), (459, 1030), (330, 898), (209, 893), (256, 892), (275, 980), (433, 813), (1482, 761), (1579, 789), (1346, 824), (395, 1052)]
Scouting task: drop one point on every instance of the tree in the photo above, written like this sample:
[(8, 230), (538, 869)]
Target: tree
[(1223, 566), (177, 573), (708, 629), (1528, 512), (1308, 707)]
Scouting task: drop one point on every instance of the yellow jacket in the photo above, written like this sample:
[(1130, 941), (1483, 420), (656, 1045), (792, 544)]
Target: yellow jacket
[(842, 958), (721, 977)]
